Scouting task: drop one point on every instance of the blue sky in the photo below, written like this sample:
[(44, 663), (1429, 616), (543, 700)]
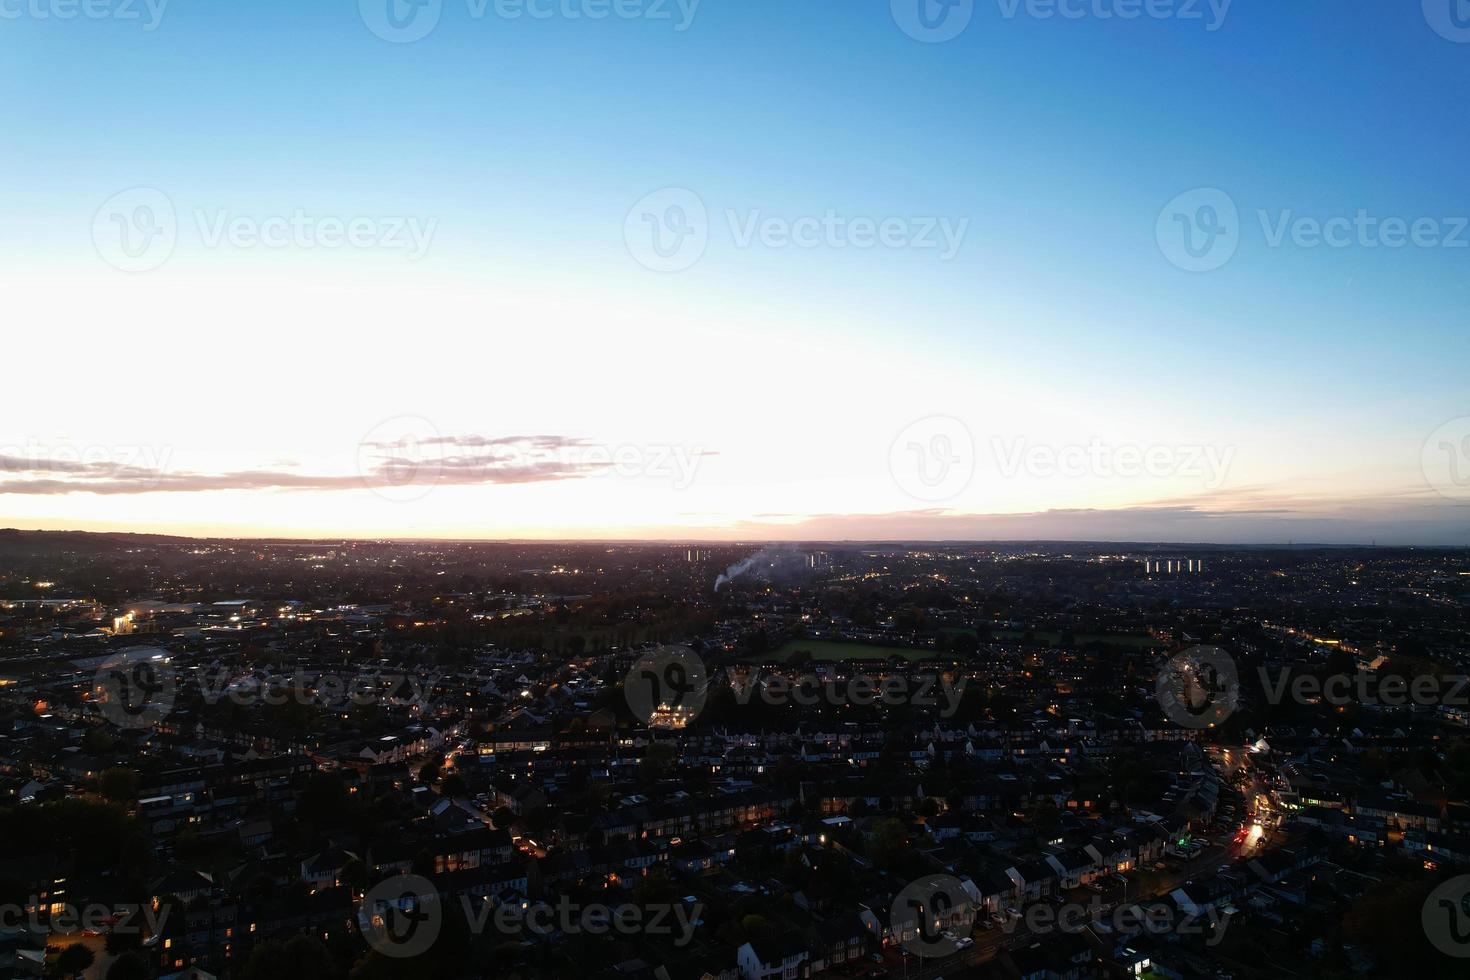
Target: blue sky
[(1060, 319)]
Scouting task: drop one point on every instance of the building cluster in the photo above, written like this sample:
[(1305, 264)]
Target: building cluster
[(233, 776)]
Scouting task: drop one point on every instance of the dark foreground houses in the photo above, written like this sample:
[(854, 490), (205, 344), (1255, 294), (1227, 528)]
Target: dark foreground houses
[(334, 759)]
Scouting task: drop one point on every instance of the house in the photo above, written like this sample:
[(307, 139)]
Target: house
[(772, 959), (837, 941), (324, 868), (183, 885)]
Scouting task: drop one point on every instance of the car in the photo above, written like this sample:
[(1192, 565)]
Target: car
[(964, 942), (948, 934), (1012, 914)]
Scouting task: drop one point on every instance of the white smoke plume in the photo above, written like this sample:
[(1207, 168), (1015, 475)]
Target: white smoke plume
[(736, 570)]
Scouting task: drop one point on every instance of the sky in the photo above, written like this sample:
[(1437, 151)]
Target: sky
[(737, 269)]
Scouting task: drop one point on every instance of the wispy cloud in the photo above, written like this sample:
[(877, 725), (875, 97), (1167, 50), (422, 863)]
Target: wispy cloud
[(442, 460)]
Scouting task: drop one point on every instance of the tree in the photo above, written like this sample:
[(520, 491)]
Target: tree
[(298, 958), (74, 959), (118, 784), (129, 966), (888, 843), (355, 874)]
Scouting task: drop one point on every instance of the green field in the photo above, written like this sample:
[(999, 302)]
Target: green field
[(829, 650)]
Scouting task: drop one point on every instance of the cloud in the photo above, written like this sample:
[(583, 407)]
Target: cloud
[(441, 460)]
